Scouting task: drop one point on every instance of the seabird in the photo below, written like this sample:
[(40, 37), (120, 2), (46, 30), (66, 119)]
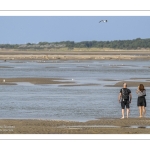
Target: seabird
[(103, 21)]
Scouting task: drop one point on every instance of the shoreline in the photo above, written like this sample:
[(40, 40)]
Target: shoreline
[(74, 55), (99, 126), (69, 82)]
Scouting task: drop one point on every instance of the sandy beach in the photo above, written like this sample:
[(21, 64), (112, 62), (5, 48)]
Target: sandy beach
[(99, 126), (77, 54)]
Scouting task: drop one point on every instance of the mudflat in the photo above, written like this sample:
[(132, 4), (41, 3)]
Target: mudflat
[(13, 81), (99, 126), (130, 84)]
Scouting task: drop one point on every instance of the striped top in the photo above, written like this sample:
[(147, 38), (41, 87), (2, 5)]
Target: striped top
[(141, 93)]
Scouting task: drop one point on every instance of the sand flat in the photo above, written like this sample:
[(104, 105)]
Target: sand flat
[(76, 54), (99, 126), (130, 84), (12, 81)]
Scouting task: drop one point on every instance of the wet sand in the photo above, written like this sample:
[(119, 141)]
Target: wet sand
[(130, 84), (13, 81), (59, 81), (65, 82), (99, 126), (76, 54), (5, 67)]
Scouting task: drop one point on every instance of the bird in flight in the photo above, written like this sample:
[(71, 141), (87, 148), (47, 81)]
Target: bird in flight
[(103, 21)]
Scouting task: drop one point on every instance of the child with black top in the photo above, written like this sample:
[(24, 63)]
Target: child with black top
[(141, 101)]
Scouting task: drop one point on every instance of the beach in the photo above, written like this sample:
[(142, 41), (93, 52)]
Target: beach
[(76, 54), (100, 126), (24, 72)]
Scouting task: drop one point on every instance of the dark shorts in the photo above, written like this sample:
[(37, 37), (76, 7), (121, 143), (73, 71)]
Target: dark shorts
[(145, 103), (141, 101), (125, 103)]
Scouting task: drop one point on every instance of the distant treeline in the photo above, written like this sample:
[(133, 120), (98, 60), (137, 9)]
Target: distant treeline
[(117, 44)]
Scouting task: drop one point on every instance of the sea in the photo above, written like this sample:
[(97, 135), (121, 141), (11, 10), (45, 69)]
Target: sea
[(90, 97)]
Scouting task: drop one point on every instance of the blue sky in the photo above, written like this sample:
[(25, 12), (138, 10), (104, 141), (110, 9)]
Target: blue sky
[(34, 29)]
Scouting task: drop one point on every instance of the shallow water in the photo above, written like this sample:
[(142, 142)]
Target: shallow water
[(102, 126), (79, 103)]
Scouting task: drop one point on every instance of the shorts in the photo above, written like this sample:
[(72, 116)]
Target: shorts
[(141, 101), (145, 103), (125, 103)]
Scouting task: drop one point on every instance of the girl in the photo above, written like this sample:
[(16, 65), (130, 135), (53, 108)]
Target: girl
[(141, 101)]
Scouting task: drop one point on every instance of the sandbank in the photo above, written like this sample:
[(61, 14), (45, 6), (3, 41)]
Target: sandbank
[(130, 84), (13, 81), (77, 54)]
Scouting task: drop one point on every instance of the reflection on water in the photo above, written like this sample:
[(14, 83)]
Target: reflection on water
[(143, 127), (80, 103), (102, 126)]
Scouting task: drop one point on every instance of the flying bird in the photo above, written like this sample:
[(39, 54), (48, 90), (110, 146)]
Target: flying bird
[(103, 21)]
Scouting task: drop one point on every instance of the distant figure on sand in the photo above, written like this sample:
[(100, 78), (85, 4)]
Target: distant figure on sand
[(141, 101), (125, 98)]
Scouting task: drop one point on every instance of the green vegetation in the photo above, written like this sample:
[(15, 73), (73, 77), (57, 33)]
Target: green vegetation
[(117, 44)]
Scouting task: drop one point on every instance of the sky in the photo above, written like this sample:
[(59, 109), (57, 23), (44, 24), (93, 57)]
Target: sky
[(34, 29)]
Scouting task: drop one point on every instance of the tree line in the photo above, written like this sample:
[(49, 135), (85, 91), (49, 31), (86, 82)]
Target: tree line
[(116, 44)]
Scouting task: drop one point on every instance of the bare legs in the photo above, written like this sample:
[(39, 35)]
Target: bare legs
[(142, 111), (122, 114), (128, 111)]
